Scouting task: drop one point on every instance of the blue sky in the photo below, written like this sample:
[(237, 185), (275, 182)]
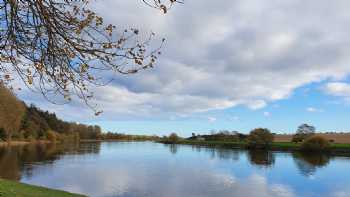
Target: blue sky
[(307, 105), (233, 65)]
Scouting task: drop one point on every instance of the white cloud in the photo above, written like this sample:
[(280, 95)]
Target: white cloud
[(313, 110), (246, 53), (267, 114), (256, 104), (211, 119), (337, 89)]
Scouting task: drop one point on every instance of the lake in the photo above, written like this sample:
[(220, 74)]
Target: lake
[(129, 169)]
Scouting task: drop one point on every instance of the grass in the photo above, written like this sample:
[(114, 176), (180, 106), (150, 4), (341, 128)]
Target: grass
[(14, 189), (345, 146), (274, 146), (285, 144)]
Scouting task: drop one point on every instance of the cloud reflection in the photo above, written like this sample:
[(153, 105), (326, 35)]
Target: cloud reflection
[(155, 170)]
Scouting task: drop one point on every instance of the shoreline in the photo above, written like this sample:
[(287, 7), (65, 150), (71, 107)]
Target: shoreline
[(21, 143), (12, 188), (275, 146), (92, 141)]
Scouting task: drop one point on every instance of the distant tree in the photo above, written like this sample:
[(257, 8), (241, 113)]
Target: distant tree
[(306, 129), (303, 132), (173, 138), (11, 112), (60, 48), (260, 138), (34, 123)]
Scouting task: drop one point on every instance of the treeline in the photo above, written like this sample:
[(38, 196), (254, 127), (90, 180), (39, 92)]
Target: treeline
[(305, 139), (223, 135), (126, 137), (21, 122), (39, 124)]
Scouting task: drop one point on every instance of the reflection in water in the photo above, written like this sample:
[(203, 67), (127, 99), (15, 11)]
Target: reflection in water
[(16, 160), (261, 158), (308, 163), (173, 148), (122, 169), (224, 154), (220, 153)]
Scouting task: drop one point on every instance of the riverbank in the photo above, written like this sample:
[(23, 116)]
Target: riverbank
[(20, 143), (10, 188), (113, 140), (275, 146)]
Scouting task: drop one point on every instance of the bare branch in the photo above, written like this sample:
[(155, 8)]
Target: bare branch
[(59, 48)]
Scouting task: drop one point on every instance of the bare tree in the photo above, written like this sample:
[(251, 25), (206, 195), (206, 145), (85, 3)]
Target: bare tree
[(61, 47)]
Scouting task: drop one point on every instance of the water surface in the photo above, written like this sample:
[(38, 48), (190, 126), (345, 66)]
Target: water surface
[(130, 169)]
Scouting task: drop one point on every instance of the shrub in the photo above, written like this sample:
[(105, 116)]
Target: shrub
[(260, 138), (315, 143), (51, 136), (173, 138)]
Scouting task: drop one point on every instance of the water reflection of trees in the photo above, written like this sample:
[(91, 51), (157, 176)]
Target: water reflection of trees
[(262, 158), (308, 163), (16, 160), (173, 148), (224, 153), (220, 153)]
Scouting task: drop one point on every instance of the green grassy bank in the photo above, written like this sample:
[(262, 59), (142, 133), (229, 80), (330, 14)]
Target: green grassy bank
[(277, 146), (14, 189)]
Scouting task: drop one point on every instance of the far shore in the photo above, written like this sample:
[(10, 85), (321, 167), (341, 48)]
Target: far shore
[(112, 140), (275, 146), (20, 143)]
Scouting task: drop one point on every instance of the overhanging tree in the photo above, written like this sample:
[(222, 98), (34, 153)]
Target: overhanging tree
[(61, 47)]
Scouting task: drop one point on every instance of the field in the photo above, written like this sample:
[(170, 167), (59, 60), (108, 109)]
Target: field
[(10, 188), (337, 138)]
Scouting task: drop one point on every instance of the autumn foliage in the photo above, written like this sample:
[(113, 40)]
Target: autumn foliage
[(260, 138), (11, 112), (315, 143)]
